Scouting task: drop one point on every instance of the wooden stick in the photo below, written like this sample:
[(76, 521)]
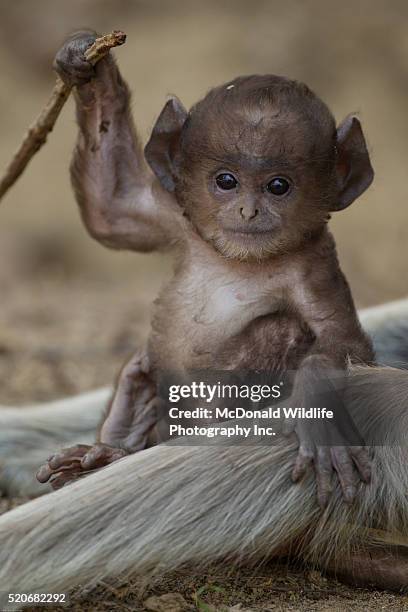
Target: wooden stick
[(37, 133)]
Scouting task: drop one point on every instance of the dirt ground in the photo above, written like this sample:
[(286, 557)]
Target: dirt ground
[(71, 311)]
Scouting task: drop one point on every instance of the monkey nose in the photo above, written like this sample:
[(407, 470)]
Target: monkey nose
[(248, 213)]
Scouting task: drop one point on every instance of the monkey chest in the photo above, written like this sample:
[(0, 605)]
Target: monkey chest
[(219, 322)]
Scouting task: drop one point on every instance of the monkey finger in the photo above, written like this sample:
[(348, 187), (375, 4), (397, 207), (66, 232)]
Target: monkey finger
[(75, 74), (78, 68), (303, 462), (72, 52), (362, 461), (324, 474), (81, 39), (343, 464)]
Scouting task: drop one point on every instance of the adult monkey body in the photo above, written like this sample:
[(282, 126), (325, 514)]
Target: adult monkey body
[(242, 197), (168, 504), (160, 508)]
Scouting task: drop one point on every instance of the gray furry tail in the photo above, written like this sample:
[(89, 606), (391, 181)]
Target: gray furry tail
[(153, 511), (28, 434)]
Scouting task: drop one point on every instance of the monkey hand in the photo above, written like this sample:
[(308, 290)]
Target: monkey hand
[(70, 62), (351, 463), (71, 463)]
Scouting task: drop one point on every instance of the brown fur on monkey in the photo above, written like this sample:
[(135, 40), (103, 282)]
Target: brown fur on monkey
[(241, 192)]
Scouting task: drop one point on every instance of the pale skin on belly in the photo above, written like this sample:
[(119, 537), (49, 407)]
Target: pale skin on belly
[(241, 197)]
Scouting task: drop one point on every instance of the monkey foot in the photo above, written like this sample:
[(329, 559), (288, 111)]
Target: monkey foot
[(72, 463), (135, 407)]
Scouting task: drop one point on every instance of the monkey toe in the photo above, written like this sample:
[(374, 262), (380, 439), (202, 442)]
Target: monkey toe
[(73, 453), (60, 479), (101, 455), (48, 474), (44, 473), (65, 460), (58, 482)]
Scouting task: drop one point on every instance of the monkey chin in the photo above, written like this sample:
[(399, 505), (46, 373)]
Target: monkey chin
[(247, 246)]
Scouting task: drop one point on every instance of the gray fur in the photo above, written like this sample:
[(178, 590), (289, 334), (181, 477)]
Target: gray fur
[(388, 327), (171, 504), (28, 434)]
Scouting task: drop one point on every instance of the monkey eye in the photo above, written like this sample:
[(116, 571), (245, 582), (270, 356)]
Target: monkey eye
[(226, 181), (278, 186)]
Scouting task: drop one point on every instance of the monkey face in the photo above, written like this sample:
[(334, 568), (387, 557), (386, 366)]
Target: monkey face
[(259, 200), (253, 209), (258, 164)]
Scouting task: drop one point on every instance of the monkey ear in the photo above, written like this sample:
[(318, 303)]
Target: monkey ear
[(354, 171), (161, 149)]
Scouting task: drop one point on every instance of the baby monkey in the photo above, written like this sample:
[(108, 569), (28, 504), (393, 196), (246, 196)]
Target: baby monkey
[(240, 189)]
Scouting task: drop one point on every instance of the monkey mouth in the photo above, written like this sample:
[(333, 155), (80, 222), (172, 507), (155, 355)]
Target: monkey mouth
[(245, 244), (247, 231)]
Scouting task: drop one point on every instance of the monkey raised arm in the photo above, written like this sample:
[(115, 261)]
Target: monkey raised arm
[(122, 203)]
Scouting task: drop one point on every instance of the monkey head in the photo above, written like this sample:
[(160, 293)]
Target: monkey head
[(258, 164)]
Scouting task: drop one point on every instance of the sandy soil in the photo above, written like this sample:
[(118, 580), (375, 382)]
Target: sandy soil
[(71, 311)]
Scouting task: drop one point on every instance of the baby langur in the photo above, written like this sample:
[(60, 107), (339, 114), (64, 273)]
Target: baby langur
[(240, 189)]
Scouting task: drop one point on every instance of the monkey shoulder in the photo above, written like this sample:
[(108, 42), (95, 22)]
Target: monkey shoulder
[(317, 261)]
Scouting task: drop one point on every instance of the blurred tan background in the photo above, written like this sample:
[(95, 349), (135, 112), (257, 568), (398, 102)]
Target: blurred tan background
[(72, 310)]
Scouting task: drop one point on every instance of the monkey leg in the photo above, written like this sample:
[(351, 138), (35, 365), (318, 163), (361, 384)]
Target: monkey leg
[(134, 408), (127, 428), (27, 433)]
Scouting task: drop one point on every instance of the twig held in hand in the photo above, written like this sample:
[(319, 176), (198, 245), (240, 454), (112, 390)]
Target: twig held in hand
[(37, 133)]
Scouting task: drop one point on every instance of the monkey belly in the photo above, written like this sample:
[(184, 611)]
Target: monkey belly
[(275, 342)]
